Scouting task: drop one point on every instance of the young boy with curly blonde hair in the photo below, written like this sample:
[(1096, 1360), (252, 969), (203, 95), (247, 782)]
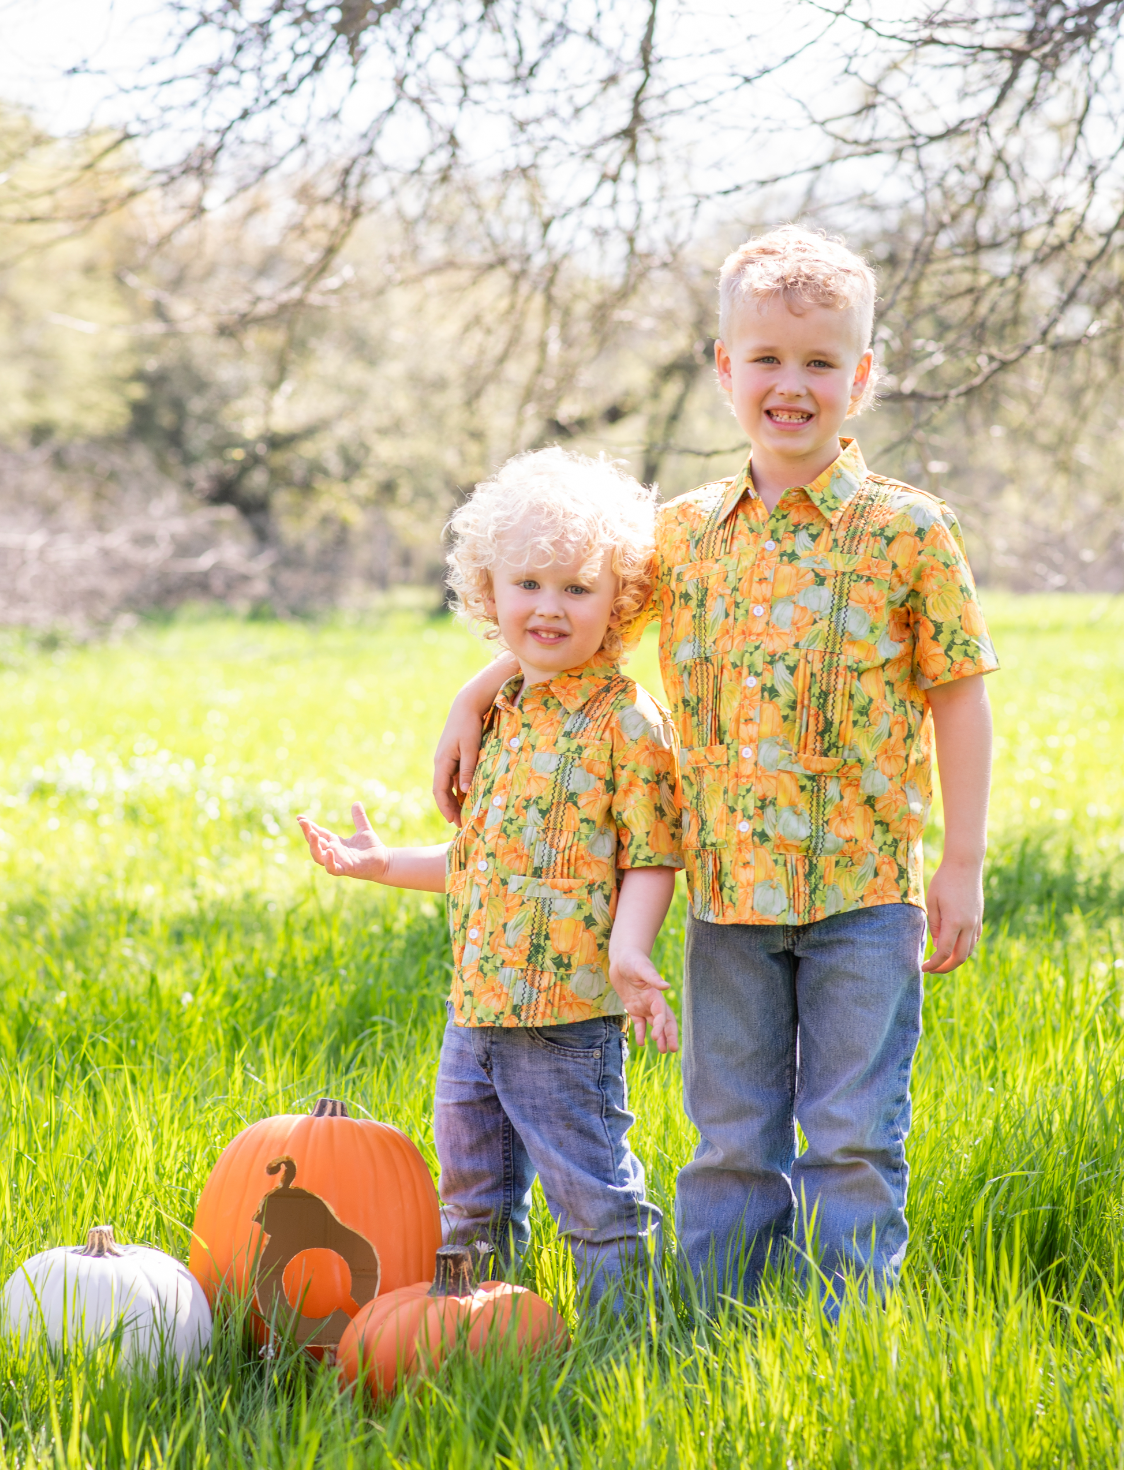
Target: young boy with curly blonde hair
[(818, 626), (562, 871)]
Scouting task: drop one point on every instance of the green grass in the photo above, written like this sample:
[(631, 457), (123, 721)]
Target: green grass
[(171, 969)]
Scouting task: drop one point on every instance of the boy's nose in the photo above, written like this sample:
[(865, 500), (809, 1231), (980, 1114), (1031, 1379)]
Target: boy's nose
[(790, 386)]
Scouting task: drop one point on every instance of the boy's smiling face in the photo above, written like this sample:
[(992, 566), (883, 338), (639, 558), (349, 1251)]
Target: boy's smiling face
[(553, 618), (792, 377)]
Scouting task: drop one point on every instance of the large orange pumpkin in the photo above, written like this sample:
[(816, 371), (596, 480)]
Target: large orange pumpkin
[(403, 1331), (312, 1216)]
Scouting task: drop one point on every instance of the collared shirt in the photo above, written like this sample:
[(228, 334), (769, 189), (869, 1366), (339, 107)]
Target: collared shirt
[(796, 649), (574, 783)]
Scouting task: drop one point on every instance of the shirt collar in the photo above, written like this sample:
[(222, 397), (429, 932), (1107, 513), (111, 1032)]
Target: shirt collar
[(572, 689), (829, 492)]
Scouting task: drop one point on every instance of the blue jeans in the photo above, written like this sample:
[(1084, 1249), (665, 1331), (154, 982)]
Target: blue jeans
[(513, 1102), (815, 1024)]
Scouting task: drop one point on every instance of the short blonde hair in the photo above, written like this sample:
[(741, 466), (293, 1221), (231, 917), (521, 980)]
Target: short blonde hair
[(805, 267), (558, 502)]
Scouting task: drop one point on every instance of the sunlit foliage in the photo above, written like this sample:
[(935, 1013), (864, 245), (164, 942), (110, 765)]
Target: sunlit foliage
[(172, 968)]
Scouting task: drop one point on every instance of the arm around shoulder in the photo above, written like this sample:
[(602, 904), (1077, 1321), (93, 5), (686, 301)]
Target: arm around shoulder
[(455, 758)]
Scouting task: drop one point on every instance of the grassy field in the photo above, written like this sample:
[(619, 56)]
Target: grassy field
[(172, 968)]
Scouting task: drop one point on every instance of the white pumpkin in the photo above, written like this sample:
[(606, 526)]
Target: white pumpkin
[(86, 1292)]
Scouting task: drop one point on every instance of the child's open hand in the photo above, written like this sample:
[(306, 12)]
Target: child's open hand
[(363, 856), (640, 986)]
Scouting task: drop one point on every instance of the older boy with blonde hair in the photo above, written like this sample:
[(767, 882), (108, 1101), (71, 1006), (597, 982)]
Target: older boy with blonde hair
[(561, 874), (818, 627)]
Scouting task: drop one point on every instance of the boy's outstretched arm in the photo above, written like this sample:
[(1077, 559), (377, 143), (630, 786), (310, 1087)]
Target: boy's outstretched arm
[(455, 758), (366, 856), (955, 898), (642, 903)]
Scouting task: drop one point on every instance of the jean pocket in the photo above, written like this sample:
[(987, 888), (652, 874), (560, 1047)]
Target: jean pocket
[(704, 774), (581, 1042)]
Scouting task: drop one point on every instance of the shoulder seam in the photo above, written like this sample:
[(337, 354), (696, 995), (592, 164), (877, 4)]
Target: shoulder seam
[(627, 697), (888, 484), (715, 485)]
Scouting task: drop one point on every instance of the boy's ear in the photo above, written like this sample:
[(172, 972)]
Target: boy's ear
[(862, 376), (488, 598), (722, 364)]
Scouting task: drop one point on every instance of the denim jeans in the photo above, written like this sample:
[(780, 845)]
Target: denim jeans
[(513, 1102), (815, 1024)]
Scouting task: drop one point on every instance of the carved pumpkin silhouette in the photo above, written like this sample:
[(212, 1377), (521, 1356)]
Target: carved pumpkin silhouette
[(354, 1212), (295, 1222)]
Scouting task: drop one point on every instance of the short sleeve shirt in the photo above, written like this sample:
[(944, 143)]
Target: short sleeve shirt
[(796, 648), (575, 783)]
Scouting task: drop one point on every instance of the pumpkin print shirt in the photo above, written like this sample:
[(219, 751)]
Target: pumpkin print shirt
[(573, 784), (796, 649)]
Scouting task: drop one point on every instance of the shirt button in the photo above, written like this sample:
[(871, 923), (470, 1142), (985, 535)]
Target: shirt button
[(770, 546), (747, 752), (483, 867), (758, 611), (743, 826), (474, 934), (514, 742), (750, 682), (497, 801)]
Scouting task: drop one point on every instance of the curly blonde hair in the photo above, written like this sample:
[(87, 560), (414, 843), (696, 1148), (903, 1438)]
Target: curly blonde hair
[(805, 267), (548, 503)]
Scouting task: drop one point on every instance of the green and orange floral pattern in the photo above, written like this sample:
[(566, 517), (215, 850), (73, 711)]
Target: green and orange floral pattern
[(574, 783), (796, 649)]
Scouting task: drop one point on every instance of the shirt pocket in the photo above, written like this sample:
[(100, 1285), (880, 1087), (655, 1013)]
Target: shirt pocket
[(553, 930), (703, 594), (800, 784), (845, 609), (564, 834), (698, 633), (704, 777), (823, 711), (581, 856)]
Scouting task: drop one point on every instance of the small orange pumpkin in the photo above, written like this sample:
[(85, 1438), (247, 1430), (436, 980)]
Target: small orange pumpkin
[(403, 1331), (355, 1213)]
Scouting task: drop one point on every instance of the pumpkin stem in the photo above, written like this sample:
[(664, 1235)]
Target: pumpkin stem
[(290, 1167), (330, 1107), (453, 1274), (101, 1243)]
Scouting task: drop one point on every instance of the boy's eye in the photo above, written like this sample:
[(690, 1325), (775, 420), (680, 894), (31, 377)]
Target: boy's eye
[(767, 357), (820, 362), (574, 587), (528, 584)]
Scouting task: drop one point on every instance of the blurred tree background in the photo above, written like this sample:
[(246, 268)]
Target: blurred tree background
[(342, 259)]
